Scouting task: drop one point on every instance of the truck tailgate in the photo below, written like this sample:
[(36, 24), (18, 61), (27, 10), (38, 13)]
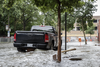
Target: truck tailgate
[(30, 37)]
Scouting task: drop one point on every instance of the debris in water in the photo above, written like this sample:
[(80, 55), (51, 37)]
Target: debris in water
[(75, 59)]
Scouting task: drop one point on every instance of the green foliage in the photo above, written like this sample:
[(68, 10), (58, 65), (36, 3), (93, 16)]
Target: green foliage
[(12, 34), (90, 30), (19, 13), (70, 21), (66, 5), (29, 14), (23, 14), (84, 16), (50, 18)]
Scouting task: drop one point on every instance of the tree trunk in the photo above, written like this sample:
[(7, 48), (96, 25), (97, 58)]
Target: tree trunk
[(24, 25), (23, 21), (8, 23), (59, 32), (84, 33), (15, 25)]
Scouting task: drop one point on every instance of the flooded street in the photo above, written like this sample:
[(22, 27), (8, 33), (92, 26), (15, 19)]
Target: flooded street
[(90, 55)]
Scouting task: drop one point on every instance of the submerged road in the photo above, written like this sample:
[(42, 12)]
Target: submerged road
[(90, 55)]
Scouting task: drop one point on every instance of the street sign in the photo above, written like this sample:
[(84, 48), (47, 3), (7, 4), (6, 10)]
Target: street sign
[(6, 27)]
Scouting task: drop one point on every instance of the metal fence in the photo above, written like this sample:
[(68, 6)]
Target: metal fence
[(6, 39), (74, 38)]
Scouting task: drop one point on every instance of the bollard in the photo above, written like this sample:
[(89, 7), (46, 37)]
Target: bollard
[(90, 39), (79, 41)]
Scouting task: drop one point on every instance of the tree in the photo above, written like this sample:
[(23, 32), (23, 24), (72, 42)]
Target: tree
[(90, 30), (3, 18), (84, 16), (57, 6), (50, 18), (16, 18), (28, 12), (7, 14)]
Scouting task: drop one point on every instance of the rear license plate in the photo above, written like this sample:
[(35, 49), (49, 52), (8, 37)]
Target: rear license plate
[(29, 45)]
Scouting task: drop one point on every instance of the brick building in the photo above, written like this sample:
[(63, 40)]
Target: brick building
[(98, 31)]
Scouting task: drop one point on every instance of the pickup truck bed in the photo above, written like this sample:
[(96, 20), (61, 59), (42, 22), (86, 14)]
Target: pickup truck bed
[(30, 39)]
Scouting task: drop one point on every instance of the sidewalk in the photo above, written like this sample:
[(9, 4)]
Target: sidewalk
[(90, 55)]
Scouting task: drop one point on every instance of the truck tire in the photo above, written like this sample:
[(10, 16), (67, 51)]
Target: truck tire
[(52, 46), (61, 42), (21, 49), (55, 48)]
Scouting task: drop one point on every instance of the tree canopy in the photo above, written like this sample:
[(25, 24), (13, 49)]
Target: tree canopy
[(90, 30), (21, 16)]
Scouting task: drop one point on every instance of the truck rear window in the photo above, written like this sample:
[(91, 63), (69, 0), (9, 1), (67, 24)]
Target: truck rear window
[(49, 30)]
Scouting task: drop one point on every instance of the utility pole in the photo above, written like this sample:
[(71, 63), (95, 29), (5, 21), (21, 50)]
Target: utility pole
[(65, 29)]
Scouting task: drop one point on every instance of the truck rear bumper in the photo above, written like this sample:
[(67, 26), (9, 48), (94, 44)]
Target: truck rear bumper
[(33, 45)]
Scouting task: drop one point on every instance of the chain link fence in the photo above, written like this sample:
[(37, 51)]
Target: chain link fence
[(6, 39)]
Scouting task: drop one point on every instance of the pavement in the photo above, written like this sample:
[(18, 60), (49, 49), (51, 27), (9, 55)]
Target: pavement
[(90, 55)]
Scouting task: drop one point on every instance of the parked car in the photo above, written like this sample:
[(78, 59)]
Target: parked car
[(40, 37)]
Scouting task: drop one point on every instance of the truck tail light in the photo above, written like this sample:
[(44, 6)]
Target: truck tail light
[(46, 38), (15, 37)]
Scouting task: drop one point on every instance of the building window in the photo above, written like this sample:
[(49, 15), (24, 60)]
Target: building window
[(78, 28), (95, 21), (95, 28)]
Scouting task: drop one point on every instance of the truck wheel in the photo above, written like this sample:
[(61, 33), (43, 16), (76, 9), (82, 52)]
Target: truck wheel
[(61, 42), (52, 46), (55, 48), (21, 50)]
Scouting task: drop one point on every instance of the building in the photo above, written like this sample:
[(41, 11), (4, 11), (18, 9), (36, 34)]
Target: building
[(98, 27), (76, 32)]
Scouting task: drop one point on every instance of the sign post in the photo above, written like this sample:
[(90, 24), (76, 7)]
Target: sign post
[(65, 29)]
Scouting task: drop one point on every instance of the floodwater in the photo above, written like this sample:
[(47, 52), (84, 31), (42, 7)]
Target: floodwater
[(90, 55)]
